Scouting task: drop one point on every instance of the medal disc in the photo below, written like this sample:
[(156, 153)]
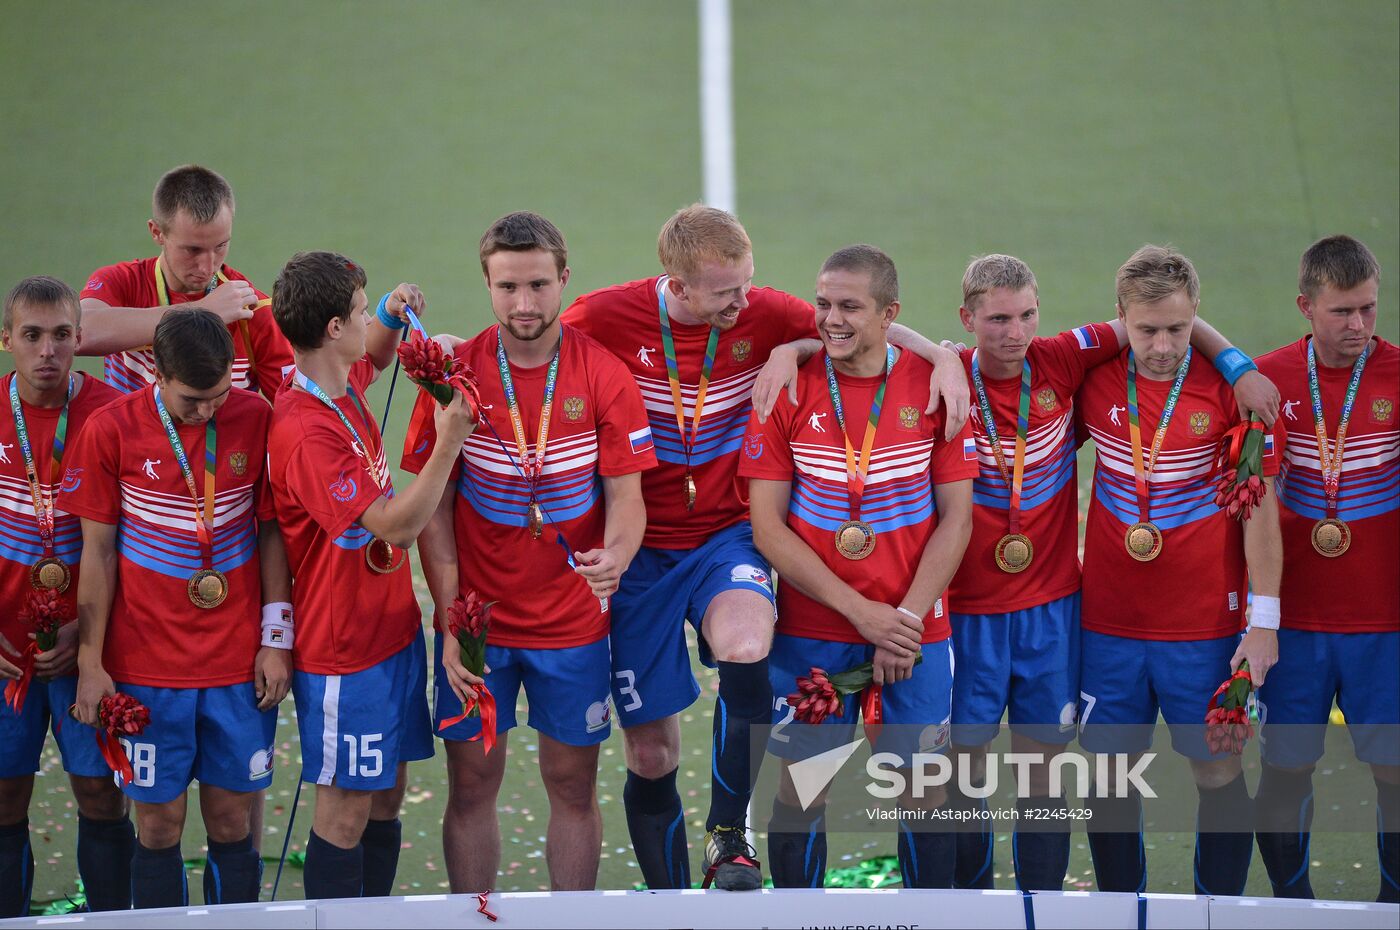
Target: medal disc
[(207, 588), (1013, 553), (1143, 541), (689, 491), (855, 539), (382, 557), (1331, 537), (50, 574), (536, 518)]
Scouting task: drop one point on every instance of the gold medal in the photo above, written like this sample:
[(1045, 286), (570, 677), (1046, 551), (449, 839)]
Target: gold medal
[(1143, 541), (1013, 553), (689, 491), (536, 517), (50, 574), (207, 588), (382, 557), (1331, 537), (855, 539)]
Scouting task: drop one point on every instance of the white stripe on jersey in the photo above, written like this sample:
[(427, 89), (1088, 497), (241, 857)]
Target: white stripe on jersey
[(1360, 452), (888, 464), (572, 454), (1175, 465), (1042, 443), (175, 512), (724, 394)]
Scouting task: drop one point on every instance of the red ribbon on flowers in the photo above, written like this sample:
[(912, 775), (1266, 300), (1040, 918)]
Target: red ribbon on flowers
[(17, 689), (872, 711), (120, 715), (481, 906), (485, 703), (115, 756)]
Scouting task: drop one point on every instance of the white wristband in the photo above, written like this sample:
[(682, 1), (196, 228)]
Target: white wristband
[(910, 613), (277, 625), (1264, 613)]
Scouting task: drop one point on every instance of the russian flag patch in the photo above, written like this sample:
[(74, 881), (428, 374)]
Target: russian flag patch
[(969, 450), (1086, 337), (1268, 445), (640, 439)]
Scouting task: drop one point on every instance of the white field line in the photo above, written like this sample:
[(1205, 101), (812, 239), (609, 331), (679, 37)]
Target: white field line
[(716, 104)]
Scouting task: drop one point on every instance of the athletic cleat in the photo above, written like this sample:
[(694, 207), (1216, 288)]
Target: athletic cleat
[(730, 862)]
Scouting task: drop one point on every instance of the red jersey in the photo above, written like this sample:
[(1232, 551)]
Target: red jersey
[(804, 445), (1358, 591), (348, 616), (597, 429), (1195, 588), (133, 284), (1049, 488), (124, 472), (20, 543), (626, 320)]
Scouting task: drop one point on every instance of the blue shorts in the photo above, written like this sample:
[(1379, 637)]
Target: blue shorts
[(917, 712), (1355, 669), (22, 737), (1124, 681), (566, 689), (356, 729), (216, 736), (661, 590), (1026, 661)]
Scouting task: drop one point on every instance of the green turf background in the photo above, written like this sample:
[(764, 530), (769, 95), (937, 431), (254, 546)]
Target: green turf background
[(1066, 133)]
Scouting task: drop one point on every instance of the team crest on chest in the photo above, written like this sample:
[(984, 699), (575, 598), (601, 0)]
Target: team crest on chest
[(573, 408), (741, 350), (1382, 410), (238, 463), (909, 417), (1047, 400), (1200, 422)]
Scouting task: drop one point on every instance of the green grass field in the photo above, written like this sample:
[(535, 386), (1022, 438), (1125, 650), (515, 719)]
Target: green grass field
[(1065, 133)]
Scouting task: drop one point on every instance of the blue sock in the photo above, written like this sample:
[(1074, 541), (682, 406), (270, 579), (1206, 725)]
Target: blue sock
[(105, 850), (656, 823), (1388, 840), (1224, 843), (332, 872), (233, 874), (927, 858), (16, 869), (158, 878), (974, 844), (382, 840), (1040, 845), (745, 701), (797, 846), (1115, 843), (1283, 808)]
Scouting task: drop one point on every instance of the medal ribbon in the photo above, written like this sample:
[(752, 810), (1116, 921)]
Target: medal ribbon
[(356, 443), (668, 348), (858, 467), (203, 518), (532, 468), (1332, 464), (1141, 470), (163, 296), (43, 499), (1023, 424)]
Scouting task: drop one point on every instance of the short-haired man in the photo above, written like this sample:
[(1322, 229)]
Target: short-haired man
[(1164, 587), (181, 559), (702, 342), (192, 223), (559, 464), (48, 408), (1339, 491), (1015, 598), (361, 665), (864, 510)]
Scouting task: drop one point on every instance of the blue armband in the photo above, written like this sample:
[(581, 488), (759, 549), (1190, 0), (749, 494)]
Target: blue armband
[(393, 322), (1232, 364)]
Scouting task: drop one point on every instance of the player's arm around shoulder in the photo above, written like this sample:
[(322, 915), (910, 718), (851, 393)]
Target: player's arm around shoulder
[(948, 386)]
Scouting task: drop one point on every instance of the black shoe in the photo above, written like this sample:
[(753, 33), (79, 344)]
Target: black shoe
[(730, 863)]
